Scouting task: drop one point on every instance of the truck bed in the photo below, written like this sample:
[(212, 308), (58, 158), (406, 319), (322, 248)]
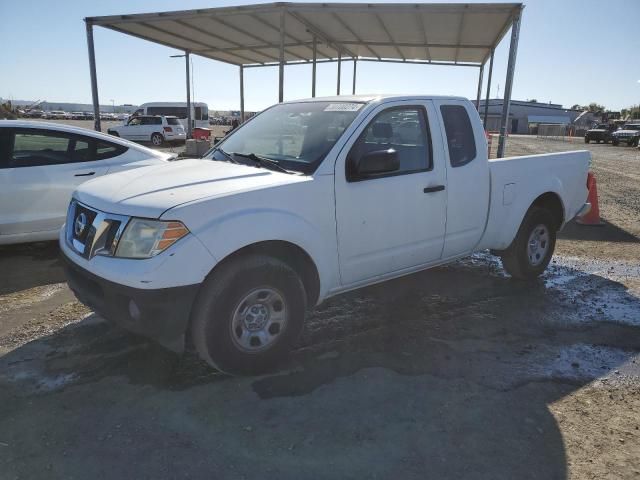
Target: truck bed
[(516, 182)]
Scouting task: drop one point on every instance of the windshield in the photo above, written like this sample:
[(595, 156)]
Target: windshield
[(296, 135)]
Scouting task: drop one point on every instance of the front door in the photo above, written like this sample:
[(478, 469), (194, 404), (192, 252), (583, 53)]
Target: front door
[(133, 130), (41, 171), (395, 221)]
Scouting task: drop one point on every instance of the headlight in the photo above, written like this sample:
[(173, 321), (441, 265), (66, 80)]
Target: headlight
[(144, 238)]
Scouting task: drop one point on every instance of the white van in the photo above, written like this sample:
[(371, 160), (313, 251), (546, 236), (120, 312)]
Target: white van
[(199, 112)]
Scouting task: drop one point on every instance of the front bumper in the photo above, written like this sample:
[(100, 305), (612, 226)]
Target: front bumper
[(160, 314)]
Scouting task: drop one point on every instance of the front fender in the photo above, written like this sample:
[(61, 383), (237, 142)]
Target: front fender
[(235, 230)]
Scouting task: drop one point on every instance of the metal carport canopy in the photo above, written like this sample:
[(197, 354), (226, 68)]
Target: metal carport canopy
[(279, 34)]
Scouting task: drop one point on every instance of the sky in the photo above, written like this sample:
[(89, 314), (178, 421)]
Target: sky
[(570, 52)]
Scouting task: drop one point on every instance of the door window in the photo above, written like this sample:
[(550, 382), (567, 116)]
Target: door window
[(106, 150), (35, 149), (83, 151), (135, 122), (151, 121), (460, 138), (402, 129)]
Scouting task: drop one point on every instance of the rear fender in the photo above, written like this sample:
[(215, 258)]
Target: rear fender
[(509, 205)]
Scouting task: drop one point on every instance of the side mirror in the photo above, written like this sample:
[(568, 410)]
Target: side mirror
[(374, 163)]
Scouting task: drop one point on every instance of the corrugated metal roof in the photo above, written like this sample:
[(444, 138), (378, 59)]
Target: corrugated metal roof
[(250, 35)]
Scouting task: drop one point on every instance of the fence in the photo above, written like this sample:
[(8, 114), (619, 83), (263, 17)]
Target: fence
[(552, 131)]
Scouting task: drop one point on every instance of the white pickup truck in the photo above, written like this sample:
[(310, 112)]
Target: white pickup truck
[(306, 200)]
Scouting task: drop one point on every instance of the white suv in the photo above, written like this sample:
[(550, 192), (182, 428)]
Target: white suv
[(150, 128)]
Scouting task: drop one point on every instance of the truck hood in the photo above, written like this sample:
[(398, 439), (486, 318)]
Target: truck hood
[(151, 191)]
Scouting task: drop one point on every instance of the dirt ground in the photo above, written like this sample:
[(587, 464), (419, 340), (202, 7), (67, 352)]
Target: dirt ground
[(458, 372)]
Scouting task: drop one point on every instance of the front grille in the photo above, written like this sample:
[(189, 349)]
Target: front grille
[(91, 232), (83, 216)]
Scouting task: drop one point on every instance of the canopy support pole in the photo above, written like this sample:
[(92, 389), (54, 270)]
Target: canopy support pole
[(94, 79), (313, 68), (241, 94), (486, 102), (186, 62), (479, 87), (355, 67), (281, 65), (511, 67), (339, 65)]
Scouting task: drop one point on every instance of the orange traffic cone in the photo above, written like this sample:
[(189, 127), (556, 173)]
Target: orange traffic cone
[(593, 216)]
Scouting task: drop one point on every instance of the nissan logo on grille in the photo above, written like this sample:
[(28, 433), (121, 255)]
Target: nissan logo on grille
[(80, 224)]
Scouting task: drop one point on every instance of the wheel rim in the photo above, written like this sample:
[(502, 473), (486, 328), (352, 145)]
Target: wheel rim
[(538, 245), (259, 320), (156, 140)]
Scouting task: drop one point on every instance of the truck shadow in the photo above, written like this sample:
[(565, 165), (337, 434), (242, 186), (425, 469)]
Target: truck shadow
[(606, 232), (447, 373)]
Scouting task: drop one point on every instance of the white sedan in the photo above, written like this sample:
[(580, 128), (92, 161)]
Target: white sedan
[(42, 163)]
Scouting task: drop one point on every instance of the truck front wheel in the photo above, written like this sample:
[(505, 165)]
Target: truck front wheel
[(531, 251), (248, 314)]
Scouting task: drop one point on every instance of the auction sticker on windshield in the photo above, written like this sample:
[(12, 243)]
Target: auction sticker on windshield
[(343, 107)]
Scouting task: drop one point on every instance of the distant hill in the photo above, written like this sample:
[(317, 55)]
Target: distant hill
[(72, 107)]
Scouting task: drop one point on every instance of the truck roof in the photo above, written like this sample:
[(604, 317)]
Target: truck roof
[(376, 97)]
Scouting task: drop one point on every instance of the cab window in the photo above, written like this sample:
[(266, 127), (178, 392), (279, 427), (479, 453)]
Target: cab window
[(460, 138), (402, 129)]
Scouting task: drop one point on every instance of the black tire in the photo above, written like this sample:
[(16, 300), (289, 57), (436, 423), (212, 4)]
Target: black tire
[(516, 259), (615, 143), (157, 139), (224, 292), (586, 140)]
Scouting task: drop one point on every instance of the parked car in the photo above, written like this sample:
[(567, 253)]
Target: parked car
[(33, 113), (55, 115), (630, 134), (42, 163), (78, 116), (307, 200), (600, 133), (150, 128)]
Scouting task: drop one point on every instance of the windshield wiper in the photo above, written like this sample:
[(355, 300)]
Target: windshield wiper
[(263, 161), (231, 159)]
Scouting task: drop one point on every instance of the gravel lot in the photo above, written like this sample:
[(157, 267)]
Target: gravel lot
[(457, 372)]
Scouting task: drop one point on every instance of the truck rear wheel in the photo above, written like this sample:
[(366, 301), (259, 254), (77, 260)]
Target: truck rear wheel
[(248, 314), (531, 251)]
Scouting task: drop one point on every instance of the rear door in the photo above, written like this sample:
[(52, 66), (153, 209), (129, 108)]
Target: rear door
[(396, 221), (468, 181), (151, 125), (39, 173)]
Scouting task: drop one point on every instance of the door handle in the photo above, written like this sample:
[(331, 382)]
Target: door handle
[(437, 188), (88, 174)]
